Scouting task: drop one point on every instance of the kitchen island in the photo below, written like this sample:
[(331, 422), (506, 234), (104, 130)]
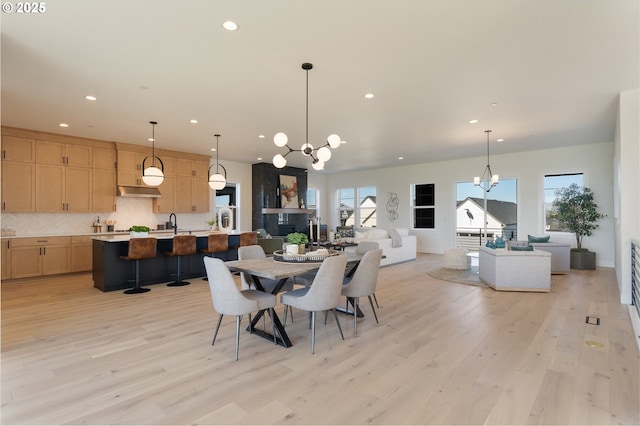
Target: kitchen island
[(110, 272)]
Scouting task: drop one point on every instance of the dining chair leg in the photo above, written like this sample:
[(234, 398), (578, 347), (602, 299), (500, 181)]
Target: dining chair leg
[(356, 301), (374, 311), (238, 318), (376, 299), (313, 332), (251, 328), (338, 322), (284, 324), (217, 328)]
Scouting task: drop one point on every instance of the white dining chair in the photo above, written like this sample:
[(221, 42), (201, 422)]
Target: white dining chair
[(322, 295), (257, 252), (362, 248), (363, 283), (229, 300)]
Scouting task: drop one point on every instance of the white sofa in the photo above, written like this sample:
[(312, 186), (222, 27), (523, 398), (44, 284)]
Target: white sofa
[(405, 253), (560, 254), (515, 270)]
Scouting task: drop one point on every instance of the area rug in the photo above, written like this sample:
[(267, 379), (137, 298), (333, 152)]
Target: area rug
[(461, 276)]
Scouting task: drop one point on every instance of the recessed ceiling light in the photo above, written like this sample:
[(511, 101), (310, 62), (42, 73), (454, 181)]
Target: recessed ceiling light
[(213, 149), (90, 98), (400, 158), (500, 140), (494, 104), (193, 121), (369, 95), (63, 125), (474, 121), (259, 158), (229, 25), (343, 141), (261, 136)]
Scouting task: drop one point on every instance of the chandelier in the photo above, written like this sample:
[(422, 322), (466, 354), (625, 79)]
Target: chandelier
[(217, 180), (488, 180), (318, 155), (153, 176)]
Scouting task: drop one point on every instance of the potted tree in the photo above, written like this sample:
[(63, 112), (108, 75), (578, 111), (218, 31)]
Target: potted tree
[(577, 212), (299, 239)]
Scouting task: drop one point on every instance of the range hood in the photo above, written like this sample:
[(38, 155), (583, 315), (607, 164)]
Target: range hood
[(138, 192)]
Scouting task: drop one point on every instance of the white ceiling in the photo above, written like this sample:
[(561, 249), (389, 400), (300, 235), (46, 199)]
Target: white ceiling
[(554, 68)]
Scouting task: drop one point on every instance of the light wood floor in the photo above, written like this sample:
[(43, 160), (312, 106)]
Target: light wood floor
[(443, 353)]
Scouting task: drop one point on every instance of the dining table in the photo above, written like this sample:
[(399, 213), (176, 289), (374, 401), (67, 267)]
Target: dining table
[(280, 271)]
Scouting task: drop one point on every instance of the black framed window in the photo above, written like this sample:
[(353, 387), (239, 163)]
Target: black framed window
[(424, 211)]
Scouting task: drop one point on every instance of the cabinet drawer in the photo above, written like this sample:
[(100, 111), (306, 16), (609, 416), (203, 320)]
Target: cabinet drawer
[(81, 239), (30, 242)]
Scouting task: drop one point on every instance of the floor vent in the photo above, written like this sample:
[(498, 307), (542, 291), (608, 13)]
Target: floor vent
[(592, 320)]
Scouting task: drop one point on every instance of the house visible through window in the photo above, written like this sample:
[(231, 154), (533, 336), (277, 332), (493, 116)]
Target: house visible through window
[(362, 213), (551, 184)]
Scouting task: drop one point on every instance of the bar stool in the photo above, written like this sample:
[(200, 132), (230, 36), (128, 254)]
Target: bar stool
[(140, 248), (249, 238), (216, 243), (183, 245)]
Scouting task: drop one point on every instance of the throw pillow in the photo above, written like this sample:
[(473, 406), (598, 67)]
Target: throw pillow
[(396, 239), (360, 234), (533, 239), (377, 234), (521, 248)]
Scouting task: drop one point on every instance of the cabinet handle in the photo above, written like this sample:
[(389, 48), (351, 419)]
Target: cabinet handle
[(4, 205), (40, 251), (45, 251), (4, 154)]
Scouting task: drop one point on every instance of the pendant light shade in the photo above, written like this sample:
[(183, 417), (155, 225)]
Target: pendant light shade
[(322, 154), (217, 180), (152, 175)]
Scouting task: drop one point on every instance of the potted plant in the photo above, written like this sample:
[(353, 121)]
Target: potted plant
[(212, 223), (298, 239), (139, 231), (577, 212)]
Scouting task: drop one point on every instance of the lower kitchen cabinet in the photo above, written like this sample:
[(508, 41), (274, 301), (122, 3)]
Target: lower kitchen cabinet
[(5, 262), (31, 257), (81, 253)]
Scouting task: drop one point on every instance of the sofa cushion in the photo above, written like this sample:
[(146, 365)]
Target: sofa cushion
[(521, 248), (377, 234), (533, 239), (361, 234)]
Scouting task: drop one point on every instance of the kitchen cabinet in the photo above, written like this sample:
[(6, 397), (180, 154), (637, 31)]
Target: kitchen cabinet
[(103, 194), (5, 261), (63, 188), (31, 257), (130, 166), (18, 187), (81, 253), (15, 148), (18, 174), (103, 158), (166, 203), (58, 153), (192, 195)]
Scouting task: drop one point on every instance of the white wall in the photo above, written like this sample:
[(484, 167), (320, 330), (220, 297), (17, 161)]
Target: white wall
[(627, 182), (595, 161)]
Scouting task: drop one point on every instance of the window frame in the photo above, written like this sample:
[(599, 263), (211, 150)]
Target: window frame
[(357, 208), (547, 205), (415, 206)]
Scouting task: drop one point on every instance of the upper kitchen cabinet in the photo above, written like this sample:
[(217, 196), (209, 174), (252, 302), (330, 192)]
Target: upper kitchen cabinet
[(65, 154), (18, 172), (130, 158), (16, 148)]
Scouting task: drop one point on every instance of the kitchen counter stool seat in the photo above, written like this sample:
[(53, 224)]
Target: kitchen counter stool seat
[(139, 249), (183, 245), (216, 243)]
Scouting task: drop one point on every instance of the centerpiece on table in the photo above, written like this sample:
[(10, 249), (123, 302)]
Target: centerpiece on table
[(296, 242), (139, 231)]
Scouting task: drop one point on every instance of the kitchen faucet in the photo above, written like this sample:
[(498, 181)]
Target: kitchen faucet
[(175, 223)]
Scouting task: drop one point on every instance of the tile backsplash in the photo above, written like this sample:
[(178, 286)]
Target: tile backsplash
[(129, 211)]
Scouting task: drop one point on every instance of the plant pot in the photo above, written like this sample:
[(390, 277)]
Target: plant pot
[(301, 249), (583, 259), (292, 249), (134, 234)]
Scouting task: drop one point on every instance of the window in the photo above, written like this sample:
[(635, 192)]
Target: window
[(502, 213), (424, 212), (312, 200), (551, 183), (361, 214), (227, 197)]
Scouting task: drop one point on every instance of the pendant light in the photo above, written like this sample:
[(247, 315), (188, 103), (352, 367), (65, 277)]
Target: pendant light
[(488, 180), (322, 154), (217, 180), (152, 176)]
